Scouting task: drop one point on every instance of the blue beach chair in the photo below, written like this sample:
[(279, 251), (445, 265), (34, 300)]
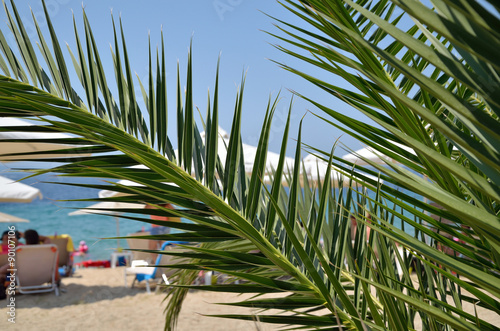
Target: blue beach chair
[(143, 272)]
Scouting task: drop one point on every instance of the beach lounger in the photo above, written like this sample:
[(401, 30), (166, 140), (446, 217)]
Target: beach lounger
[(65, 247), (143, 271), (36, 268), (4, 259), (134, 243)]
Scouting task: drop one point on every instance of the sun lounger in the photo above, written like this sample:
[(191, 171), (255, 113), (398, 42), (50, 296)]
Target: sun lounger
[(65, 247), (134, 243), (143, 271), (3, 259), (36, 268)]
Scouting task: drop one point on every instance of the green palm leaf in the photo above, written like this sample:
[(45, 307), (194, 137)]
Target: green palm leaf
[(300, 241)]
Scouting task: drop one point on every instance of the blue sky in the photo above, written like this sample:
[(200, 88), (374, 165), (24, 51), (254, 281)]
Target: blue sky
[(232, 28)]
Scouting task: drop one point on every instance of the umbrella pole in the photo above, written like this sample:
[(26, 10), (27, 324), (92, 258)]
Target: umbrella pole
[(117, 232)]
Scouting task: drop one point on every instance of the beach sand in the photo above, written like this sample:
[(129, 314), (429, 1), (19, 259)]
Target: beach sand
[(96, 299)]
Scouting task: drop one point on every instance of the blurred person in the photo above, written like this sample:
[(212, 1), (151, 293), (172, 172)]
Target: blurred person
[(160, 229), (31, 237), (354, 226), (4, 248)]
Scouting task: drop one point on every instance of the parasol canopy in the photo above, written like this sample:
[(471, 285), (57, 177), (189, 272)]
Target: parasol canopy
[(12, 191), (6, 218), (14, 141)]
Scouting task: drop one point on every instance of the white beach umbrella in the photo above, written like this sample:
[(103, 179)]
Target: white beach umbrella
[(369, 154), (27, 141), (313, 164), (272, 159), (364, 153), (107, 207), (12, 191), (223, 135), (6, 218), (111, 193), (222, 144), (124, 182), (249, 154)]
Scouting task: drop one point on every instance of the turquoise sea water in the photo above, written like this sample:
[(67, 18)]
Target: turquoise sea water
[(50, 217)]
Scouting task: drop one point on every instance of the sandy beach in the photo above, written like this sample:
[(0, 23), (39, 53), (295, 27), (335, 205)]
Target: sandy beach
[(95, 298)]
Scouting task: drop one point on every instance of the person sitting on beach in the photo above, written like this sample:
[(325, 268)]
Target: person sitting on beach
[(31, 237), (8, 237), (4, 248), (159, 229)]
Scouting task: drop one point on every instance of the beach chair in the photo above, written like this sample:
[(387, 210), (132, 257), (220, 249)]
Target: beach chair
[(4, 258), (65, 248), (36, 268), (142, 271), (134, 243)]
